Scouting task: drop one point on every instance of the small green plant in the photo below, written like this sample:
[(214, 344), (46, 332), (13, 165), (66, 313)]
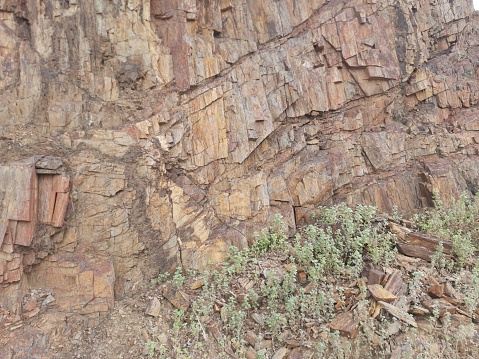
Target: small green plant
[(415, 286), (457, 223), (275, 322), (151, 347), (178, 316), (272, 290), (471, 290), (439, 260), (342, 240), (462, 248), (162, 278), (178, 278), (270, 238)]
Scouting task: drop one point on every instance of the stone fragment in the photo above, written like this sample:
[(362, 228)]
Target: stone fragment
[(428, 242), (246, 283), (393, 328), (346, 324), (417, 310), (302, 277), (48, 300), (251, 338), (28, 259), (415, 251), (258, 318), (452, 293), (395, 284), (381, 294), (375, 276), (198, 284), (292, 343), (176, 297), (264, 344), (281, 353), (418, 245), (436, 290), (30, 305), (296, 353), (460, 319), (31, 313), (250, 353), (154, 307), (49, 163), (439, 306), (398, 313)]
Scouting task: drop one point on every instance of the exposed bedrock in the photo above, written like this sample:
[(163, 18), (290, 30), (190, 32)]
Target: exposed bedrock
[(180, 127)]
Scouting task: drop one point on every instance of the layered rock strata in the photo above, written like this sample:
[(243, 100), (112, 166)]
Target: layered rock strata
[(185, 125)]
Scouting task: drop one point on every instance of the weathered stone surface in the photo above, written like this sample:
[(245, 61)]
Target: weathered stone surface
[(381, 294), (184, 126), (346, 324), (176, 297), (28, 197), (154, 307), (81, 284), (398, 313)]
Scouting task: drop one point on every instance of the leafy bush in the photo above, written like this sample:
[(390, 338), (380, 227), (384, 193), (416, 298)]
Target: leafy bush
[(458, 223), (342, 239)]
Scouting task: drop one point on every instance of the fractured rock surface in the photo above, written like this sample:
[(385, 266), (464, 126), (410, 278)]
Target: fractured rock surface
[(185, 125)]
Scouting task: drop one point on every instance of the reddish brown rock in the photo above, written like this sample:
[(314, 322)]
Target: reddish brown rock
[(281, 353), (185, 126), (375, 276), (154, 307), (436, 290), (176, 297), (399, 313), (381, 294), (30, 305), (346, 324)]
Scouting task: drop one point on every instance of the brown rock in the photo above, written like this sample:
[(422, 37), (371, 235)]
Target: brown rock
[(154, 307), (417, 310), (281, 353), (296, 353), (395, 284), (302, 277), (258, 318), (435, 290), (190, 122), (346, 324), (439, 306), (31, 313), (381, 294), (251, 338), (176, 297), (292, 343), (460, 319), (250, 353), (398, 313), (198, 284), (264, 344), (375, 276), (414, 251), (30, 305), (452, 293)]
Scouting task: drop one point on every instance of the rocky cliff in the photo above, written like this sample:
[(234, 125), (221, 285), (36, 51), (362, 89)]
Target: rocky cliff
[(137, 135)]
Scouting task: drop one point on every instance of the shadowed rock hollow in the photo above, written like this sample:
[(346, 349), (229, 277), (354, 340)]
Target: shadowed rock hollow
[(185, 125)]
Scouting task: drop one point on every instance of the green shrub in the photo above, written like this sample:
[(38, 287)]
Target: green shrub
[(342, 239), (458, 223)]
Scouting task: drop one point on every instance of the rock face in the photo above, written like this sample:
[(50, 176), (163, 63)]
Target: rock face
[(185, 125)]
